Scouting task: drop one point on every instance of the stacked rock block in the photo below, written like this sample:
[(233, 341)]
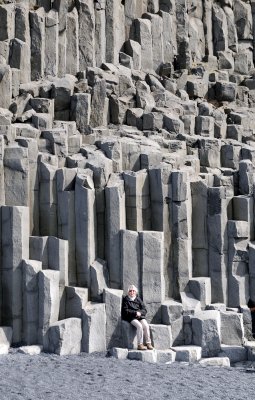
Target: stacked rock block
[(127, 156)]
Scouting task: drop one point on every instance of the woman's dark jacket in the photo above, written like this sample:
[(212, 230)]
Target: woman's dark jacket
[(130, 307), (251, 303)]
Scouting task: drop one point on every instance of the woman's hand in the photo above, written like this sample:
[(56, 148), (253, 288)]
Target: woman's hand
[(138, 314)]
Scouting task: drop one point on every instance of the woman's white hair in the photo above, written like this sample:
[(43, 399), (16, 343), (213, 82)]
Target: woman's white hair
[(132, 287)]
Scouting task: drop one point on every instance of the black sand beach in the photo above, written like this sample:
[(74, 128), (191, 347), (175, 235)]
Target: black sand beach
[(94, 376)]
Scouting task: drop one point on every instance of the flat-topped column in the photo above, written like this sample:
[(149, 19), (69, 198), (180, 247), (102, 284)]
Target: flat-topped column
[(72, 42), (85, 225), (115, 32), (16, 174), (48, 198), (152, 268), (238, 268), (48, 302), (181, 230), (141, 33), (199, 192), (86, 33), (218, 243), (115, 221), (15, 248), (130, 260), (51, 43), (159, 178), (138, 211), (31, 269), (37, 32), (66, 216)]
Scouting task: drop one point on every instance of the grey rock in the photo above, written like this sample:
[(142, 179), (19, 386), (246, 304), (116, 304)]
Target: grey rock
[(161, 336), (119, 353), (5, 85), (115, 36), (72, 42), (75, 301), (141, 33), (48, 303), (85, 225), (37, 32), (94, 328), (215, 361), (225, 91), (146, 356), (98, 279), (5, 337), (234, 353), (64, 337), (15, 247), (133, 49), (189, 354), (166, 356), (143, 96), (201, 289), (51, 43), (32, 350), (206, 328), (31, 300), (232, 332)]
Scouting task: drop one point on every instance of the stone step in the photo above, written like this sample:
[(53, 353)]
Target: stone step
[(234, 353), (215, 362), (186, 354)]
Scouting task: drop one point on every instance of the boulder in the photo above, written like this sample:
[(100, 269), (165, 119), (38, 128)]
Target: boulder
[(64, 337)]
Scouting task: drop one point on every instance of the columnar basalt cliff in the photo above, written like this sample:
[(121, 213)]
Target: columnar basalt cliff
[(127, 133)]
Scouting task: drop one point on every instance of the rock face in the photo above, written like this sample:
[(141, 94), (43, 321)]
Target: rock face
[(127, 156)]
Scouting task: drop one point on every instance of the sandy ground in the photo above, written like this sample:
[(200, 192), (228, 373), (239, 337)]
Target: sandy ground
[(94, 376)]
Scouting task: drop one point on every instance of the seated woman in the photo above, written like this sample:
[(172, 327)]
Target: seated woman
[(133, 310), (251, 305)]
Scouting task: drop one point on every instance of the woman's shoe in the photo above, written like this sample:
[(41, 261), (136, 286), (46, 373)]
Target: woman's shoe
[(141, 347), (149, 346)]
